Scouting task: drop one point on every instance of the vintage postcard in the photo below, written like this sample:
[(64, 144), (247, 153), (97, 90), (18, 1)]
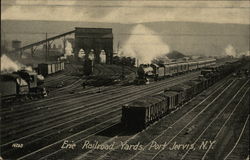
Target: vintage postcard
[(125, 79)]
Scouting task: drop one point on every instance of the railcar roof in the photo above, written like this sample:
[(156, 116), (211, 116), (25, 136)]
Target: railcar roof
[(184, 86), (191, 82), (159, 96), (143, 102), (178, 88), (198, 80)]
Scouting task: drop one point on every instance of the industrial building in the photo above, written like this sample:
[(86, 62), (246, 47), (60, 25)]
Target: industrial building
[(96, 39)]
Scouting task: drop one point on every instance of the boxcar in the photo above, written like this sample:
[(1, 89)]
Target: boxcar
[(57, 67), (53, 68), (44, 69), (62, 66)]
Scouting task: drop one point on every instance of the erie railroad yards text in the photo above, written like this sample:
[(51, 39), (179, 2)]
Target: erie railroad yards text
[(153, 145)]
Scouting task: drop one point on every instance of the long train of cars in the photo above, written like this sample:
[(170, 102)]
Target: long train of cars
[(141, 112), (156, 72), (18, 86)]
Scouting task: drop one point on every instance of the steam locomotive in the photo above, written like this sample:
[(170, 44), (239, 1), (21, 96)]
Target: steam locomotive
[(21, 85), (160, 71)]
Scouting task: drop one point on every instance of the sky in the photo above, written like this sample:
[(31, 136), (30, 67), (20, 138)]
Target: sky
[(128, 11)]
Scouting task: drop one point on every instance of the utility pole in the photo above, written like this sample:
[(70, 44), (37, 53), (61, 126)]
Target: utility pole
[(64, 45), (46, 48), (123, 76)]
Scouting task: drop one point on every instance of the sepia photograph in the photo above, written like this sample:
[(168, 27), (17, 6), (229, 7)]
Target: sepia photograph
[(125, 80)]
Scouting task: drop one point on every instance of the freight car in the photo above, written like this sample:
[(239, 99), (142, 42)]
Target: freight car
[(46, 69), (160, 71), (140, 113), (21, 85)]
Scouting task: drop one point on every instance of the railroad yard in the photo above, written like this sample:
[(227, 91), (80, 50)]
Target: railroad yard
[(141, 80), (85, 123)]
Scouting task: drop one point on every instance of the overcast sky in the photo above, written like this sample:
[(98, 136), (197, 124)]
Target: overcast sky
[(127, 11)]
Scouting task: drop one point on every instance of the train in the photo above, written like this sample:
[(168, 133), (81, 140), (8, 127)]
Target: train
[(140, 113), (21, 85), (160, 71)]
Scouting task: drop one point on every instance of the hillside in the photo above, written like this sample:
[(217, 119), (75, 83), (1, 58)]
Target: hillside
[(175, 55), (186, 37)]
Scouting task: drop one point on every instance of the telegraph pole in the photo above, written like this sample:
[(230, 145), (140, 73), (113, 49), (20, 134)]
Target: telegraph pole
[(123, 69), (46, 48)]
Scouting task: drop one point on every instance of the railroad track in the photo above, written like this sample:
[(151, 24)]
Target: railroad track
[(113, 154), (107, 154), (104, 99), (177, 134), (21, 116), (215, 129), (57, 153), (67, 77), (69, 69), (108, 102), (240, 148), (46, 103)]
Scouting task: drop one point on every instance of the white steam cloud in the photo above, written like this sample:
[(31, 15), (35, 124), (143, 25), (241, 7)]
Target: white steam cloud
[(8, 65), (68, 49), (230, 51), (246, 53), (143, 44)]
